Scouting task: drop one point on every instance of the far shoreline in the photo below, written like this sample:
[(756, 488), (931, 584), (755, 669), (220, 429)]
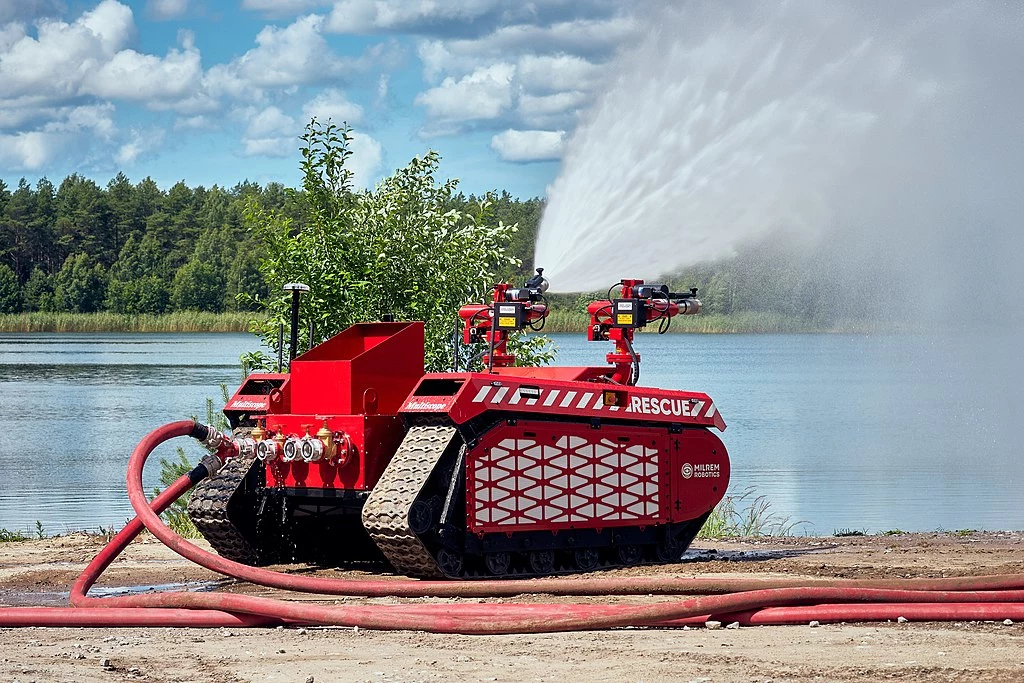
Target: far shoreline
[(748, 322), (177, 322)]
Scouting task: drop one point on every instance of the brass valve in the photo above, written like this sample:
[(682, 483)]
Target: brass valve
[(327, 437), (258, 432)]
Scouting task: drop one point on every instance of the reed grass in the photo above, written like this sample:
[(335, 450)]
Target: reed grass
[(746, 322), (746, 514), (179, 321)]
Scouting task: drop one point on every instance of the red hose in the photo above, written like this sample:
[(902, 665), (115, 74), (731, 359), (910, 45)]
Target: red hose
[(748, 601)]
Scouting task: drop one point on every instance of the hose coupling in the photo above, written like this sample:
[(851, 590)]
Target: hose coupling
[(208, 435), (212, 464)]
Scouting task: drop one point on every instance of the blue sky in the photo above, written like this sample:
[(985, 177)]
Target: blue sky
[(217, 92)]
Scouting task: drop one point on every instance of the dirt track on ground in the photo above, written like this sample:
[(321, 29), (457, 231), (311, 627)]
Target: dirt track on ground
[(39, 573)]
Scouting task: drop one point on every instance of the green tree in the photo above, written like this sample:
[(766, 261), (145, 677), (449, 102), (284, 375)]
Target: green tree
[(246, 286), (198, 286), (84, 220), (38, 292), (397, 249), (124, 219), (42, 230), (80, 285), (15, 228), (138, 280), (10, 290)]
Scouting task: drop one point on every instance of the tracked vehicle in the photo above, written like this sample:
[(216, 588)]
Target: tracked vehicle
[(355, 454)]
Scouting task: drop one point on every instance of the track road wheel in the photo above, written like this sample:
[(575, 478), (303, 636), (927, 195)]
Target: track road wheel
[(586, 558), (421, 517), (498, 563), (542, 561), (629, 554), (450, 563), (669, 549)]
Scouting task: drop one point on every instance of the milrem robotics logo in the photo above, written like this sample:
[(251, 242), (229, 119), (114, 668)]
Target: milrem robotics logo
[(702, 470)]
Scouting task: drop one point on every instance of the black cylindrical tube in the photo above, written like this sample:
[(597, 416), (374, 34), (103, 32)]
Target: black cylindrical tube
[(280, 346), (295, 325)]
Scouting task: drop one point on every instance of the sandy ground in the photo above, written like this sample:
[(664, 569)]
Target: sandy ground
[(39, 572)]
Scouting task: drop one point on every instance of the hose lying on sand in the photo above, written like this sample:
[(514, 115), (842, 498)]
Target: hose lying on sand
[(748, 601)]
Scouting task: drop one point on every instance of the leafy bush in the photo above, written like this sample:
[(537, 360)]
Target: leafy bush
[(397, 249)]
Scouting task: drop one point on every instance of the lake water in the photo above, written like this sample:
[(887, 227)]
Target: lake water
[(843, 432)]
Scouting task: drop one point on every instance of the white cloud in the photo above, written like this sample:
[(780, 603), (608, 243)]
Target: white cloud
[(55, 63), (536, 92), (589, 40), (65, 62), (140, 144), (198, 122), (542, 110), (558, 59), (29, 151), (365, 162), (70, 130), (130, 75), (97, 119), (552, 74), (292, 55), (111, 22), (600, 37), (370, 16), (268, 147), (268, 122), (484, 94), (166, 9), (383, 84), (283, 8), (9, 35), (27, 10), (529, 145), (270, 132), (457, 17), (332, 104)]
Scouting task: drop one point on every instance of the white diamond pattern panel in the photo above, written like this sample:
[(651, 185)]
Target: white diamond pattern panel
[(521, 481)]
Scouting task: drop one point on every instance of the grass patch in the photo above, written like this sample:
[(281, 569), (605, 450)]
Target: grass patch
[(8, 536), (746, 514), (179, 321), (841, 533), (894, 532)]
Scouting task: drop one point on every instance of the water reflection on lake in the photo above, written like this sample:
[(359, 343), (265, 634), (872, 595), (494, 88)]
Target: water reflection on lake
[(845, 432)]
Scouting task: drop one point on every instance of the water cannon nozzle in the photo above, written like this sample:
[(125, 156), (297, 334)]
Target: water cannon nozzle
[(538, 281)]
